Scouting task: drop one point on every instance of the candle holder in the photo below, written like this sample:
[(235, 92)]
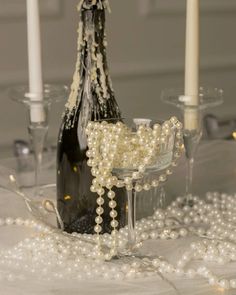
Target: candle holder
[(192, 118), (38, 113)]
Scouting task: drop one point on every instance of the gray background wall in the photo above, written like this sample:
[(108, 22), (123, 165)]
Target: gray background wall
[(146, 52)]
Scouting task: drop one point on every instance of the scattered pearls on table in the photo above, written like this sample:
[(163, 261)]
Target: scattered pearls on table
[(51, 254)]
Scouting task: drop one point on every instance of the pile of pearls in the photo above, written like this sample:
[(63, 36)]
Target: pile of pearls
[(52, 255), (116, 146)]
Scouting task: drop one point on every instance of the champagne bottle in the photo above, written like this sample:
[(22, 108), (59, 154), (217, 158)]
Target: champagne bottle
[(91, 98)]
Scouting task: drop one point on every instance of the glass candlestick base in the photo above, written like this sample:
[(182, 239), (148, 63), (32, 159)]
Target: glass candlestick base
[(192, 118), (38, 112)]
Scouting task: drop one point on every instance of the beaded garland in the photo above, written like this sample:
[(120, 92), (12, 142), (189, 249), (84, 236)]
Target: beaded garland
[(51, 255), (118, 146)]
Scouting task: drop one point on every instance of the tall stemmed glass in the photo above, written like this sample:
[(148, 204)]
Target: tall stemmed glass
[(163, 161), (39, 109), (192, 117)]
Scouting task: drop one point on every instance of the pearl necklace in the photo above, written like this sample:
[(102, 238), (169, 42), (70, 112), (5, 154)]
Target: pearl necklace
[(117, 146), (52, 254)]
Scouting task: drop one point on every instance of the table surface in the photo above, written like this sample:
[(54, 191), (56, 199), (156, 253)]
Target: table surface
[(215, 170)]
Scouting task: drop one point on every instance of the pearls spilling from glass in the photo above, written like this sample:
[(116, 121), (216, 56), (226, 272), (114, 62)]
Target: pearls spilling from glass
[(116, 146), (52, 255)]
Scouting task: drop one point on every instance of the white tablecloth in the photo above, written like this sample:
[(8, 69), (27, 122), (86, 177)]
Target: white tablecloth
[(215, 170)]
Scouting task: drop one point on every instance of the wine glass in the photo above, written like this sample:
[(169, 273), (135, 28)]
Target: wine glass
[(38, 113), (192, 117), (159, 170)]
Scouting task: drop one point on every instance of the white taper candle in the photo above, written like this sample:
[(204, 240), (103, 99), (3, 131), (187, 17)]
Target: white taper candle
[(192, 63), (35, 60)]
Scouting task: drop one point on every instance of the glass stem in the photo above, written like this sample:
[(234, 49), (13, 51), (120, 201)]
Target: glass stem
[(189, 178), (162, 197), (38, 136), (38, 156), (131, 218)]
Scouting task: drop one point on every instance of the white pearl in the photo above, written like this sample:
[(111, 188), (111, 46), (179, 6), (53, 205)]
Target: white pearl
[(169, 172), (19, 221), (156, 127), (183, 232), (213, 281), (160, 223), (144, 236), (156, 262), (163, 236), (224, 284), (112, 204), (27, 222), (127, 180), (9, 221), (113, 213), (136, 175), (111, 194), (162, 177), (125, 268), (141, 169), (196, 219), (119, 276), (233, 283), (174, 235), (99, 210), (138, 188), (129, 187), (98, 220), (159, 214), (153, 235), (114, 223), (93, 188), (221, 260), (100, 201), (97, 228), (120, 183), (146, 187), (155, 183)]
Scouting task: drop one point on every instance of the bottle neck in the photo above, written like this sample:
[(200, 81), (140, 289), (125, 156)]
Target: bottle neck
[(91, 82), (93, 5), (93, 21)]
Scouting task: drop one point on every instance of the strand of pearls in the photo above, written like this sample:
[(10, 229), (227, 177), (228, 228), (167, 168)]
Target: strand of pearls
[(51, 254), (116, 146)]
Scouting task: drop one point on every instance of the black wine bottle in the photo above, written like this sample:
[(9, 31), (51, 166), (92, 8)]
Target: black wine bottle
[(91, 98)]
